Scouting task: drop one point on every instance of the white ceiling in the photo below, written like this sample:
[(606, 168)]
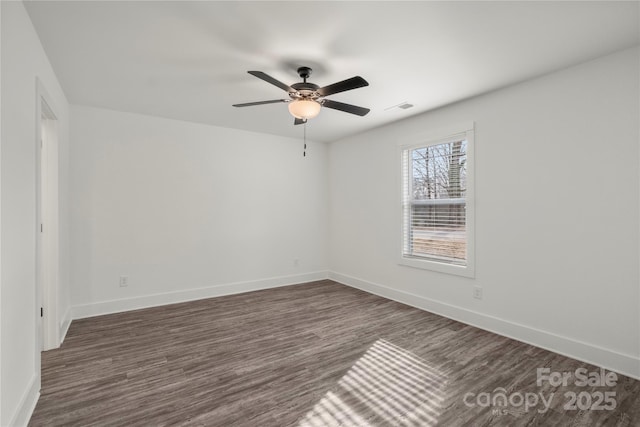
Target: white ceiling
[(188, 60)]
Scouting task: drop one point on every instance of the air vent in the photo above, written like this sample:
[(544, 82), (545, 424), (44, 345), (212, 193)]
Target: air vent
[(403, 105)]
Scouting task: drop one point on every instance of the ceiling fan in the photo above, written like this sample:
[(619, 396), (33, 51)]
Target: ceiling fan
[(306, 99)]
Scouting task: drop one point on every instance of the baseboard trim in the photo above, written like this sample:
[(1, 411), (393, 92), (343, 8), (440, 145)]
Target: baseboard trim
[(64, 326), (624, 364), (27, 403), (117, 306)]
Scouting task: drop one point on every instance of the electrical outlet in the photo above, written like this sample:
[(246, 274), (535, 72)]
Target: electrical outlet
[(124, 281), (477, 292)]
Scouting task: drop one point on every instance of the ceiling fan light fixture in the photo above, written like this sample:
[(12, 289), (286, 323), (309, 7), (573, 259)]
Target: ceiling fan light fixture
[(304, 108), (307, 99)]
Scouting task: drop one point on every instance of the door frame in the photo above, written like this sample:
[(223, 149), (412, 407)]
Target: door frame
[(47, 224)]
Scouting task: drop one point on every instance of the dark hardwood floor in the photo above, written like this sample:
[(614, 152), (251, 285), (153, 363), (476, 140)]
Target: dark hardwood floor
[(318, 354)]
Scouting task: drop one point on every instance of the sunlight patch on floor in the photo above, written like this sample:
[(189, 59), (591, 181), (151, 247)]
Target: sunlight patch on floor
[(389, 385)]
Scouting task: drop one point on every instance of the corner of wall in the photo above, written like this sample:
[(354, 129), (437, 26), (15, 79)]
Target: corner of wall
[(64, 325)]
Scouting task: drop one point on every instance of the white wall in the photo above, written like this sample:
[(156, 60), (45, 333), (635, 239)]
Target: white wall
[(179, 206), (557, 230), (23, 59)]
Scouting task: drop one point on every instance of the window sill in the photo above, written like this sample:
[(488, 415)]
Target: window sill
[(440, 267)]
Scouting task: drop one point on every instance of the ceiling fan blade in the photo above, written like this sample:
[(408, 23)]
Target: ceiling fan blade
[(249, 104), (298, 121), (352, 83), (267, 78), (347, 108)]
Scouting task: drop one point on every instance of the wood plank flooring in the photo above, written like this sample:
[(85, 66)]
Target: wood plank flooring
[(318, 354)]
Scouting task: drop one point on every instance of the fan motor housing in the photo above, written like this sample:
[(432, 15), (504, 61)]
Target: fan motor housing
[(304, 90)]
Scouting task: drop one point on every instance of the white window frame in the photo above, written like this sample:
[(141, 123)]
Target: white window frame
[(442, 136)]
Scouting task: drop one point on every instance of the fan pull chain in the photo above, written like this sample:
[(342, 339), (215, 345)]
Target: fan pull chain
[(304, 150)]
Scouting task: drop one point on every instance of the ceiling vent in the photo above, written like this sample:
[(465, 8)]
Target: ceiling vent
[(403, 105)]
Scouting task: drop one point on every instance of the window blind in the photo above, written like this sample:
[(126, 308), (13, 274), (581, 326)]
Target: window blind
[(434, 201)]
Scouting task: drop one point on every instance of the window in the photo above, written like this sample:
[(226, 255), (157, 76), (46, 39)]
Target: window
[(437, 204)]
